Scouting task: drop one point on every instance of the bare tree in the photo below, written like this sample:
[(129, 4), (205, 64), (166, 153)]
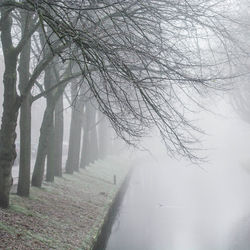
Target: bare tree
[(240, 95), (59, 132), (72, 163), (138, 58), (12, 101), (241, 100), (103, 136), (85, 148), (47, 123)]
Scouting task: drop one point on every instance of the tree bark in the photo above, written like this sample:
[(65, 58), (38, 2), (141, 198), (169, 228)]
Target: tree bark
[(93, 144), (1, 85), (59, 130), (11, 105), (89, 151), (8, 133), (23, 187), (85, 139), (45, 132), (75, 134), (102, 135), (50, 173), (38, 172)]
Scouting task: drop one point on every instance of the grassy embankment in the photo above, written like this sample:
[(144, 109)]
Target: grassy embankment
[(66, 214)]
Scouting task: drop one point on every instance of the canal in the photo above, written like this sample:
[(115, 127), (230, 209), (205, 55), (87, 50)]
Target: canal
[(179, 208), (174, 205)]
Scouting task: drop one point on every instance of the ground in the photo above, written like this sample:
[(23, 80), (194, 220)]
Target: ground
[(66, 214)]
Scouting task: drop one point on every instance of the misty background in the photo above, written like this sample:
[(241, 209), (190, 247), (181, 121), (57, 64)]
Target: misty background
[(173, 85), (173, 204)]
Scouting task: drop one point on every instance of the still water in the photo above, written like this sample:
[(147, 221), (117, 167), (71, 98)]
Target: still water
[(173, 205), (183, 209)]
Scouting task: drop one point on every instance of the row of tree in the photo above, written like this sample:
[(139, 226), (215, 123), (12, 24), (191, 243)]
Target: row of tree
[(136, 61), (89, 132), (49, 76)]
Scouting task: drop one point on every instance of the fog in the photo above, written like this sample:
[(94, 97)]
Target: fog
[(173, 204), (93, 71)]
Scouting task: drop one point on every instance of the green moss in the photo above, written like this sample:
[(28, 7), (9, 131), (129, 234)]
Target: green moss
[(20, 209), (10, 230), (51, 242)]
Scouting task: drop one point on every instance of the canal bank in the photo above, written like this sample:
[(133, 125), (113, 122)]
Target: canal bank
[(67, 214), (109, 219)]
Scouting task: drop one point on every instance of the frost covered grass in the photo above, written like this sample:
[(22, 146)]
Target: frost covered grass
[(66, 214)]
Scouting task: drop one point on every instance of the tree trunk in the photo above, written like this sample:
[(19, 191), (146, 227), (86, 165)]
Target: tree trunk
[(75, 135), (38, 172), (59, 129), (45, 132), (50, 173), (23, 187), (93, 144), (8, 133), (69, 168), (1, 85), (11, 105), (85, 139), (102, 135), (89, 142)]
